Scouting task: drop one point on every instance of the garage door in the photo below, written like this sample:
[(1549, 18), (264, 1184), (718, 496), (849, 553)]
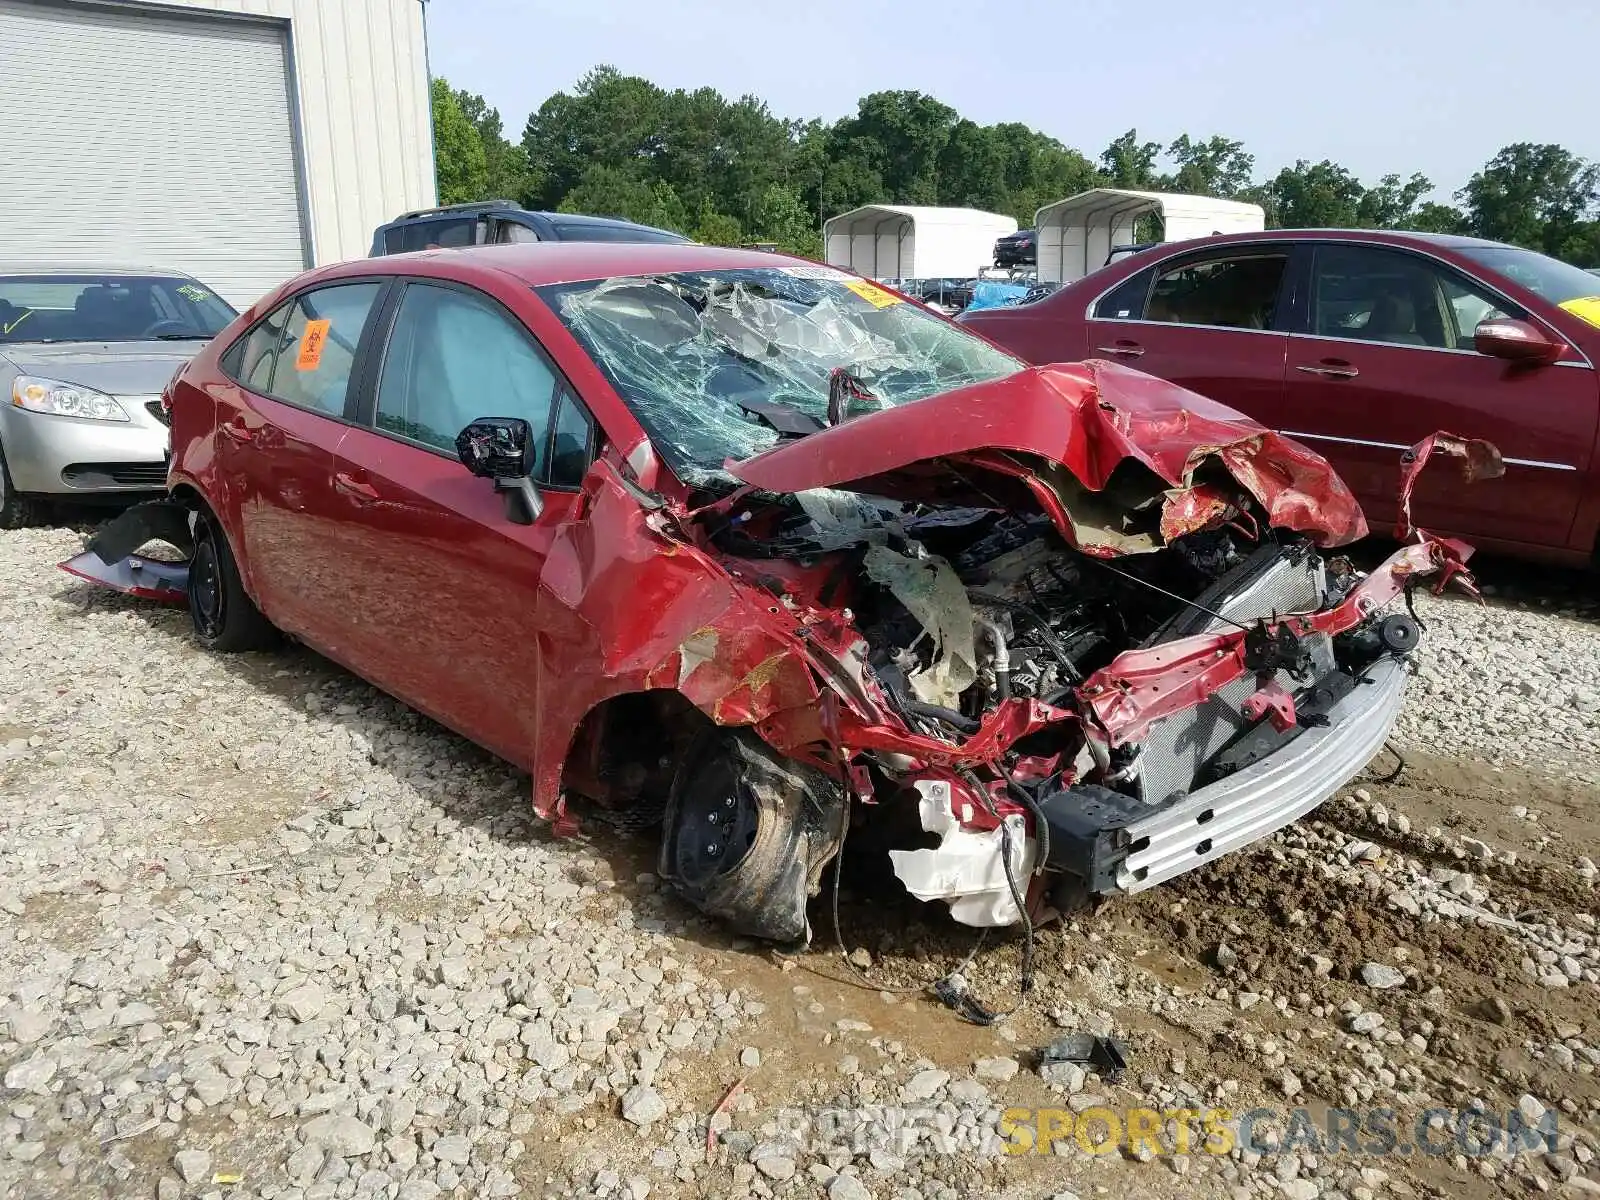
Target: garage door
[(144, 139)]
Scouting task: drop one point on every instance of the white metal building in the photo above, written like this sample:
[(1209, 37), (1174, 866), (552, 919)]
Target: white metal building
[(238, 140), (900, 241), (1076, 234)]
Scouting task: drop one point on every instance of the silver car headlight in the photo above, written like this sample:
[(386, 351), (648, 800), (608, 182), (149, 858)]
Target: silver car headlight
[(64, 399)]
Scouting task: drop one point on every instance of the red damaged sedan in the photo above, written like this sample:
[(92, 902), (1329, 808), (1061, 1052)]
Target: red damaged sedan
[(754, 550)]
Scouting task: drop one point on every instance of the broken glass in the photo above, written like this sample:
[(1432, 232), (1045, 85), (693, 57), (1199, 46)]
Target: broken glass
[(686, 351)]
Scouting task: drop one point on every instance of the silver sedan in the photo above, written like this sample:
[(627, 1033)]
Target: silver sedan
[(84, 356)]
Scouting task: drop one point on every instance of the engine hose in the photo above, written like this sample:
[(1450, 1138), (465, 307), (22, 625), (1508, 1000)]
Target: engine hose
[(1041, 626), (937, 713), (1041, 828)]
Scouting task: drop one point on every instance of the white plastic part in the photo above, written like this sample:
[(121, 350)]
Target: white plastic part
[(966, 869)]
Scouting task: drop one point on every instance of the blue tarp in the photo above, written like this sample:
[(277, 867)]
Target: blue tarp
[(986, 293)]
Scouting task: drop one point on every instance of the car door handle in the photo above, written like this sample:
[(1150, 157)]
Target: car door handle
[(351, 486), (1122, 349), (1330, 369), (237, 431)]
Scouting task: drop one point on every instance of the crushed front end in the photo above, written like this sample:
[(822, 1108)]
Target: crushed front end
[(1061, 725), (1048, 685)]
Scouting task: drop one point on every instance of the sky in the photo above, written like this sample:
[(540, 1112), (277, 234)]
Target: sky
[(1377, 85)]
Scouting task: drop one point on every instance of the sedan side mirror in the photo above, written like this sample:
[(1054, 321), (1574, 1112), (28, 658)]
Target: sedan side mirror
[(500, 448), (1516, 341)]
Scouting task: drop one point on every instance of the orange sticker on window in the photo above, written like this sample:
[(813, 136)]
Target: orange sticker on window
[(872, 293), (311, 343)]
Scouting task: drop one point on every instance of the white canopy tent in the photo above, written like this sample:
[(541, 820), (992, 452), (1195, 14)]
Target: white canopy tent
[(896, 241), (1077, 234)]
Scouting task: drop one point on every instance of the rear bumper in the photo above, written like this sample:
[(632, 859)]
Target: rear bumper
[(1263, 798), (65, 456)]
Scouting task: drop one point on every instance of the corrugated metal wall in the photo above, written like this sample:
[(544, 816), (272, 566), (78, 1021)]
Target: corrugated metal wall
[(361, 80)]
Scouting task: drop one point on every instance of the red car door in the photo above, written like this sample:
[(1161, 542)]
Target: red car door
[(1386, 357), (1208, 321), (445, 583), (277, 433)]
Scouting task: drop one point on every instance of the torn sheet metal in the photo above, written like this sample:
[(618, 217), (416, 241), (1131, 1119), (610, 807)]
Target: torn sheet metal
[(1477, 458), (1141, 686), (1097, 421)]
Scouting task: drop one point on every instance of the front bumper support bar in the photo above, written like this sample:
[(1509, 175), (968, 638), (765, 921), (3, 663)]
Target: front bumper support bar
[(1262, 798)]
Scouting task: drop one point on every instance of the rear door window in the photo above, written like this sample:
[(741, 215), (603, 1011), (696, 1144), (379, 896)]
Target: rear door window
[(312, 365), (435, 233), (1239, 291)]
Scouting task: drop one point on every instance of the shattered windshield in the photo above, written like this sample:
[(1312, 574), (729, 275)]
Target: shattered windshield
[(715, 363)]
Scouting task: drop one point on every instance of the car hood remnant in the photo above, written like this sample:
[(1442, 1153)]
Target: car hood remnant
[(1123, 462)]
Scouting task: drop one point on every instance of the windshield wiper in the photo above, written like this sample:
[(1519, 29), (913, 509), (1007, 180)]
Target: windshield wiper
[(182, 337), (786, 419), (843, 387)]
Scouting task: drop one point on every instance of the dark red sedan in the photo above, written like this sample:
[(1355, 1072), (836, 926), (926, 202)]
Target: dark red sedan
[(1361, 343), (757, 551)]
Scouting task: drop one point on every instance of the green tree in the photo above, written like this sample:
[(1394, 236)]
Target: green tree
[(461, 167), (507, 163), (910, 131), (1130, 163), (1392, 204), (1215, 167), (718, 229), (782, 217), (1432, 217), (612, 192), (610, 120), (1312, 196), (1539, 196)]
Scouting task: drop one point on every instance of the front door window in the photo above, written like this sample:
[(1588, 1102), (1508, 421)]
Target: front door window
[(455, 356)]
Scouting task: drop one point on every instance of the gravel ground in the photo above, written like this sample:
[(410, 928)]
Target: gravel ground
[(264, 932), (1509, 681)]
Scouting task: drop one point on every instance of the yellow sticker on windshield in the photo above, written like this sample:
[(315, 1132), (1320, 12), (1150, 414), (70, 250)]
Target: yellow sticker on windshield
[(872, 293), (1587, 308)]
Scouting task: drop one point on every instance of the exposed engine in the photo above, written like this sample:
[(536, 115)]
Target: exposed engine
[(963, 608), (1156, 747)]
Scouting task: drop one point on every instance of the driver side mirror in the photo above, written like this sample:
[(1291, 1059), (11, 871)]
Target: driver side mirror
[(1516, 341), (501, 449)]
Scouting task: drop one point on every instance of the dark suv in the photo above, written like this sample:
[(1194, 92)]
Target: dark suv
[(1019, 249), (500, 221)]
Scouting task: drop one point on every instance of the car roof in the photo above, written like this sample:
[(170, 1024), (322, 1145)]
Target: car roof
[(29, 267), (540, 263), (503, 210), (1396, 237), (561, 218)]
